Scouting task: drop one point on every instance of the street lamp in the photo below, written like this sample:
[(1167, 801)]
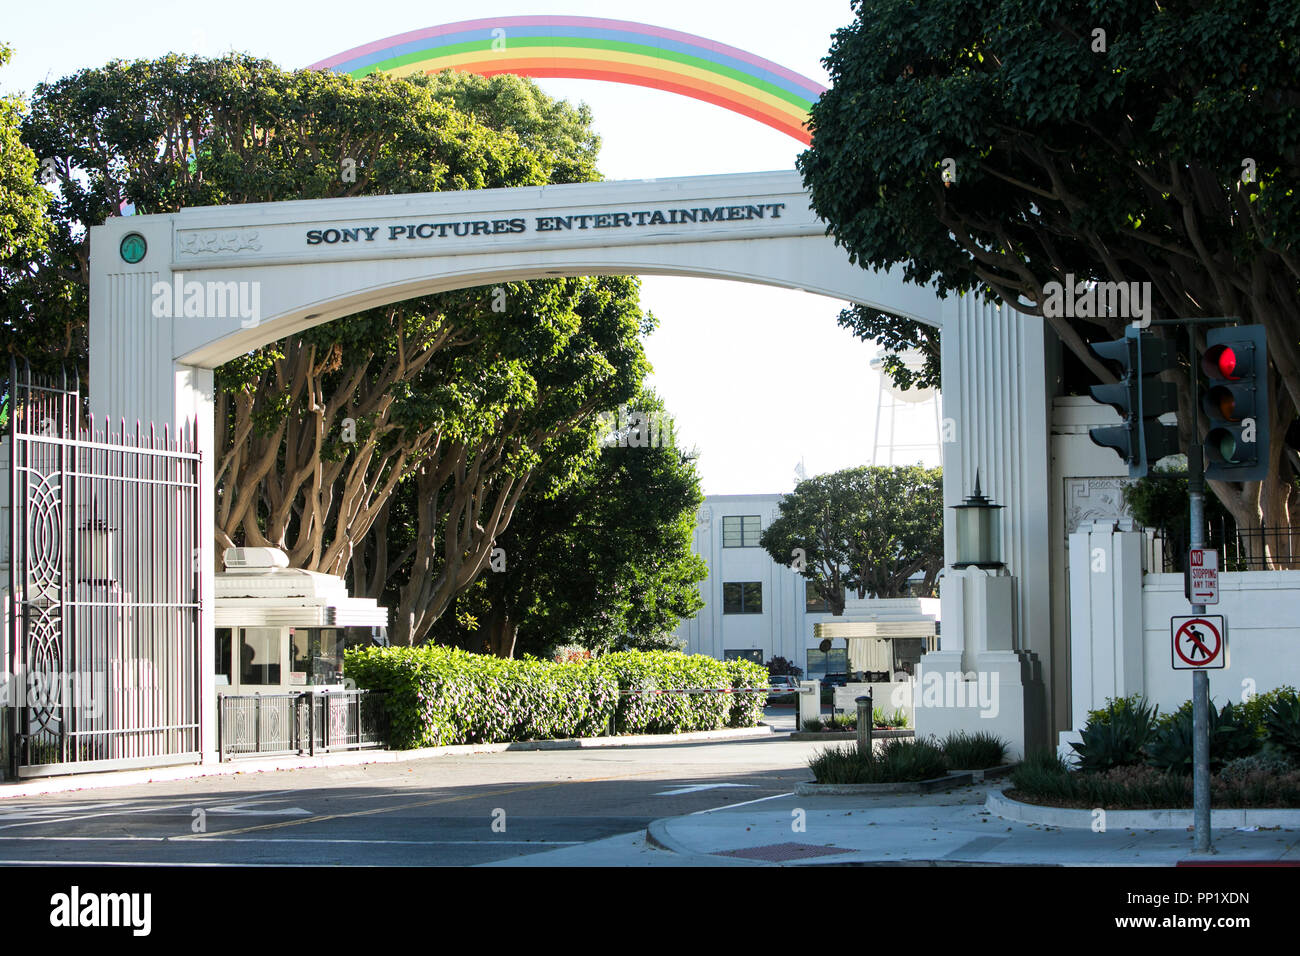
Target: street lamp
[(979, 538)]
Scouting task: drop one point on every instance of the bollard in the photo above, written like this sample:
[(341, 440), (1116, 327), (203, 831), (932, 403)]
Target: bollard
[(864, 725)]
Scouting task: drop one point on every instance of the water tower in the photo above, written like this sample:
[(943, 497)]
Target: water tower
[(909, 422)]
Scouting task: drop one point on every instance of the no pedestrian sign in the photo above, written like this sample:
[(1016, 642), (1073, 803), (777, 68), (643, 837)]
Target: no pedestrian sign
[(1199, 643), (1203, 572)]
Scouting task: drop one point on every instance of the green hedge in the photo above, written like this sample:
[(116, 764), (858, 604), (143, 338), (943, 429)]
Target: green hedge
[(438, 695), (649, 713)]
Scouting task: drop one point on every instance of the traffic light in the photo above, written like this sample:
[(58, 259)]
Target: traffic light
[(1236, 403), (1140, 398)]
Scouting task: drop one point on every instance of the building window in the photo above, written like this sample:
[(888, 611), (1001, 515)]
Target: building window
[(820, 663), (742, 597), (813, 601), (754, 654), (741, 531)]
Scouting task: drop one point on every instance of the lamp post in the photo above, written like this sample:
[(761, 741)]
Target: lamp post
[(979, 538)]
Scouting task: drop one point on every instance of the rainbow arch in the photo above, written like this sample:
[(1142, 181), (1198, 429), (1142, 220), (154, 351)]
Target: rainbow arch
[(593, 48)]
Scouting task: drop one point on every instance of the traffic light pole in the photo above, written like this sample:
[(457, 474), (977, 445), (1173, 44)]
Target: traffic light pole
[(1202, 841), (1200, 678)]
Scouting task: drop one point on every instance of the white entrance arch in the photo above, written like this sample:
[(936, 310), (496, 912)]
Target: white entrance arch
[(215, 282)]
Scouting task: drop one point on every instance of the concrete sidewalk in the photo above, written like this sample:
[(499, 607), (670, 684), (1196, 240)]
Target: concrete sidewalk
[(950, 828)]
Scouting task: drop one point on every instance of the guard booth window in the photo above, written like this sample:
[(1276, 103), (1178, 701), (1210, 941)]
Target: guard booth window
[(259, 655), (317, 652), (223, 657)]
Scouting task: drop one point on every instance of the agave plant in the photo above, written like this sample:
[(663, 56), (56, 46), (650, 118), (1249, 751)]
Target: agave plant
[(1116, 736), (1282, 725), (1231, 737)]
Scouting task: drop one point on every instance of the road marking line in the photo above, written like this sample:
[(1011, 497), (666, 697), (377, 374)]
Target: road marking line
[(405, 806), (701, 786), (135, 863), (223, 801), (728, 806), (218, 839), (85, 839)]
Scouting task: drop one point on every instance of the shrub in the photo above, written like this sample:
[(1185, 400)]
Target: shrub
[(1172, 747), (440, 695), (844, 721), (813, 725), (977, 751), (1120, 704), (1255, 711), (1116, 735), (1268, 763), (899, 761), (1282, 723), (746, 709), (1148, 788), (898, 719), (779, 666)]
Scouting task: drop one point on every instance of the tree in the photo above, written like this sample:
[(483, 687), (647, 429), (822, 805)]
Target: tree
[(867, 530), (437, 409), (603, 562), (24, 229), (997, 146)]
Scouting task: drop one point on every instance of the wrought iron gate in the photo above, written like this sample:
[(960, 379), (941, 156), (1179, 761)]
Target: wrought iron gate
[(102, 656)]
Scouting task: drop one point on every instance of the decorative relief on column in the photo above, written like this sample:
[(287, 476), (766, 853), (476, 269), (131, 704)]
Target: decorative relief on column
[(1095, 499), (704, 519), (217, 241)]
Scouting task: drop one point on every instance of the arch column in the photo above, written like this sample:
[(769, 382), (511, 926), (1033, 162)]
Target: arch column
[(1000, 371)]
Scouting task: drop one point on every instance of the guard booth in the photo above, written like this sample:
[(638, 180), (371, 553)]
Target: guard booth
[(884, 657), (280, 637)]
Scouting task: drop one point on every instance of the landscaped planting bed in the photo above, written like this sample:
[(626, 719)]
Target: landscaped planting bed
[(1132, 758), (908, 761)]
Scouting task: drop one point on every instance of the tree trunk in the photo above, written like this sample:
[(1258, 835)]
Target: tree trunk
[(501, 629)]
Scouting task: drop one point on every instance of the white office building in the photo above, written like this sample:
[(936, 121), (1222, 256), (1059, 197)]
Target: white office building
[(757, 609)]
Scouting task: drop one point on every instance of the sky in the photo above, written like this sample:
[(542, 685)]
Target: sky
[(759, 379)]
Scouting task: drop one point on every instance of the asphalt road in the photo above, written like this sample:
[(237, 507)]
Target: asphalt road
[(454, 810)]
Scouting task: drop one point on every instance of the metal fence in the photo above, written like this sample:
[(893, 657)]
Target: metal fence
[(302, 723), (103, 612), (1254, 549)]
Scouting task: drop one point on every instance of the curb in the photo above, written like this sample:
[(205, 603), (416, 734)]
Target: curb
[(849, 734), (990, 773), (1070, 818), (934, 785), (33, 787), (656, 834)]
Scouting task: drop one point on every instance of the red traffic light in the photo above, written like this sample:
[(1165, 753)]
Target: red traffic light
[(1220, 362)]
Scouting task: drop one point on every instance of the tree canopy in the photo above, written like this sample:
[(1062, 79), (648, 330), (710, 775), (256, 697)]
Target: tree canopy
[(394, 445), (996, 146), (866, 530), (604, 563), (24, 227)]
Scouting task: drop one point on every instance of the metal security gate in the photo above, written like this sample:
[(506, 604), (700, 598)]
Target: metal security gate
[(103, 609)]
